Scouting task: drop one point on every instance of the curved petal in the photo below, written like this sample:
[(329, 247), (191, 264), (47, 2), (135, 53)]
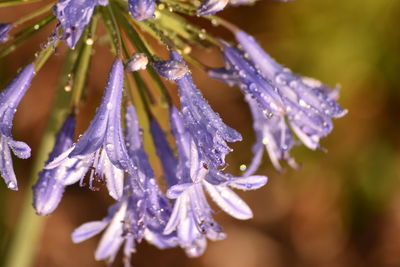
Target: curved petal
[(229, 201), (248, 182), (47, 193), (12, 95), (94, 136), (59, 159), (114, 176), (6, 166), (176, 190), (20, 149), (88, 230), (159, 240), (112, 238)]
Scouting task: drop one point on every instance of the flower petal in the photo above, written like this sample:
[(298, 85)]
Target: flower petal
[(248, 182), (229, 201), (112, 238), (88, 230), (6, 166)]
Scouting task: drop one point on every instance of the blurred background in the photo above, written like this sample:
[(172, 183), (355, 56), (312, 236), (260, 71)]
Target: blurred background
[(341, 208)]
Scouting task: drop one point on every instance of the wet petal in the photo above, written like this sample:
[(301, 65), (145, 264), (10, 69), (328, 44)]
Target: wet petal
[(211, 7), (6, 166), (12, 95), (74, 15), (248, 182), (47, 193), (20, 149), (94, 136)]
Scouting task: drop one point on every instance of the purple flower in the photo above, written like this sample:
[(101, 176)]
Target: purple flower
[(191, 217), (271, 132), (309, 106), (4, 31), (252, 83), (48, 190), (274, 134), (142, 211), (211, 7), (74, 15), (102, 146), (209, 132), (9, 100), (142, 9)]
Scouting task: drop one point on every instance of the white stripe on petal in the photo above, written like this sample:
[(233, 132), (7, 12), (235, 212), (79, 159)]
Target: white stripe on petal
[(229, 201)]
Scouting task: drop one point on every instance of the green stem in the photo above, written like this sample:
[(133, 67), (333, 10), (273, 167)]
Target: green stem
[(140, 46), (81, 68), (21, 253), (8, 3), (44, 55), (25, 34), (33, 14)]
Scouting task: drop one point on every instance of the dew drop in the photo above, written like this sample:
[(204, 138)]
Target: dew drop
[(243, 167), (67, 88), (11, 185), (89, 41)]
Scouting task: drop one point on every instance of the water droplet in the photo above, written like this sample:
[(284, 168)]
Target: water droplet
[(11, 185), (89, 41), (265, 140), (243, 167)]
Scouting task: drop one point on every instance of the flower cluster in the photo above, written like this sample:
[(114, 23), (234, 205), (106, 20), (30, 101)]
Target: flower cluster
[(171, 210)]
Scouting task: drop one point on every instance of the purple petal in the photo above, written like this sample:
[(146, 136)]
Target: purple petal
[(114, 140), (164, 153), (211, 7), (12, 95), (47, 193), (114, 176), (229, 201), (248, 182), (4, 31), (6, 166), (74, 15), (88, 230), (112, 238), (176, 190), (254, 84)]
